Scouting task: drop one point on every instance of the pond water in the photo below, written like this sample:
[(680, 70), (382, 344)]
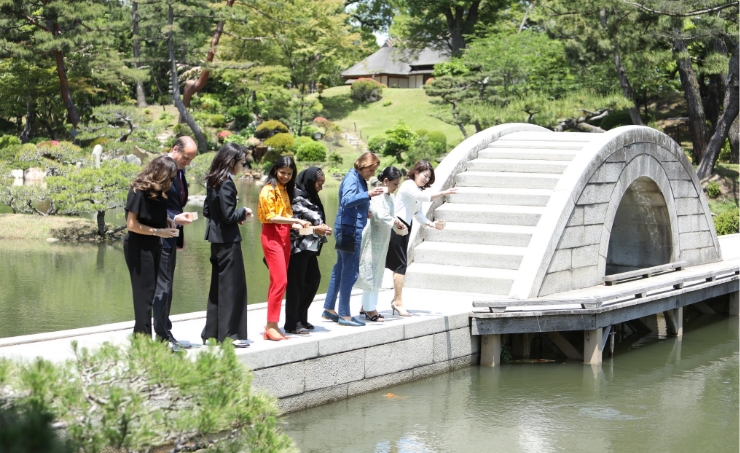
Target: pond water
[(47, 287), (657, 394)]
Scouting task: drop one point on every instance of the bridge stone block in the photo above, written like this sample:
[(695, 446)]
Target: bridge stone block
[(578, 236), (595, 213), (619, 155), (702, 255), (683, 189), (596, 193), (561, 261), (584, 277), (399, 356), (576, 217), (676, 171), (688, 206), (691, 223), (586, 256), (608, 172), (556, 282), (696, 240)]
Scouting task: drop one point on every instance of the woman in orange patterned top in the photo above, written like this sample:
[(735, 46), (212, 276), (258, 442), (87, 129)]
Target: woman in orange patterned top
[(276, 214)]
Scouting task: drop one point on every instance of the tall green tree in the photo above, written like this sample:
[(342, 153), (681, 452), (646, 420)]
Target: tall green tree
[(68, 32), (444, 24)]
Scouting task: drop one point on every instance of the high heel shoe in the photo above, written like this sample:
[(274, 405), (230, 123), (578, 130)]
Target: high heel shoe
[(268, 336), (374, 318), (400, 310)]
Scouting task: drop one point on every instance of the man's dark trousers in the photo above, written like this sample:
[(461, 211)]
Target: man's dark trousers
[(163, 294)]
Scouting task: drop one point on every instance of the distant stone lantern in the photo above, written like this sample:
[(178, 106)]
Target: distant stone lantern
[(317, 135)]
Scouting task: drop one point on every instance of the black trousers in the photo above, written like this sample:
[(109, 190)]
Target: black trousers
[(226, 314), (142, 255), (163, 294), (304, 277)]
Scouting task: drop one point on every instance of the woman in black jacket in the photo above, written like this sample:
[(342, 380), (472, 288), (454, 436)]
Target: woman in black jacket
[(226, 315), (303, 270)]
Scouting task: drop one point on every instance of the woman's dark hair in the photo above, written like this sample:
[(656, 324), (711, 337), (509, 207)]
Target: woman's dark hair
[(282, 162), (389, 173), (422, 165), (225, 159), (155, 179)]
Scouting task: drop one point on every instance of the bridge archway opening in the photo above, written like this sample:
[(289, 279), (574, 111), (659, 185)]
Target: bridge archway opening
[(641, 232)]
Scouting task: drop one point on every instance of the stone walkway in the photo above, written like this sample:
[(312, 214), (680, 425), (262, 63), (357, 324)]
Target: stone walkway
[(354, 141)]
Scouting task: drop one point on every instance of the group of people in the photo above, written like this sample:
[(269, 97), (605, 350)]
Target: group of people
[(371, 230)]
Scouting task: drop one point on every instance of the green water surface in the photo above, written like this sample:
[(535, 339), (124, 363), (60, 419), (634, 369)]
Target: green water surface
[(658, 394), (47, 287)]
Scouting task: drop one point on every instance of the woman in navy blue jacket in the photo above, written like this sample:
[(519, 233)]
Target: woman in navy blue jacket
[(354, 202)]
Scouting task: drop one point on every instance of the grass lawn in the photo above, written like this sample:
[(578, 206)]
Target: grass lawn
[(35, 227), (411, 105)]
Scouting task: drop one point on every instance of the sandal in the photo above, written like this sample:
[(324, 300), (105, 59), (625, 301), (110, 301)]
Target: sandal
[(377, 317)]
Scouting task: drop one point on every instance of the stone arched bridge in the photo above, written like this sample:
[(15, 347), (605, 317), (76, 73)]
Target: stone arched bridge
[(539, 212)]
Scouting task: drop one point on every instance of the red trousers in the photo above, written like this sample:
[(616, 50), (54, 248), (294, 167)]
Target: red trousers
[(276, 247)]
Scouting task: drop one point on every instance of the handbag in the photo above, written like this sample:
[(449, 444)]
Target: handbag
[(345, 238)]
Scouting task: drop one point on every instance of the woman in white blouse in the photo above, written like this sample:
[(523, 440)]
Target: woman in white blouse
[(407, 206)]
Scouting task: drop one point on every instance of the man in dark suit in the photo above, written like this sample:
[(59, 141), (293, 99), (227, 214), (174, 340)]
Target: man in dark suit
[(183, 152)]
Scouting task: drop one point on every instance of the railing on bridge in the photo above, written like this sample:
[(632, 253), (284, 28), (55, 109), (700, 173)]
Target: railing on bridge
[(611, 294)]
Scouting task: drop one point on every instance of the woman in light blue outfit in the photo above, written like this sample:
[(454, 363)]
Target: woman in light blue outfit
[(354, 202), (375, 239)]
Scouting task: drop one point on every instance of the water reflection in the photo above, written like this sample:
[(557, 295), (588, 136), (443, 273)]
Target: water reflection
[(668, 395), (48, 287)]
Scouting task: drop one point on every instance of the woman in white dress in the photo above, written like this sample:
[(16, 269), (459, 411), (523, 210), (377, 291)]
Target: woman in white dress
[(407, 205), (375, 240)]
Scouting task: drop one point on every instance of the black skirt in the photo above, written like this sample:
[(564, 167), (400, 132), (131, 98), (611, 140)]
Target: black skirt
[(398, 248)]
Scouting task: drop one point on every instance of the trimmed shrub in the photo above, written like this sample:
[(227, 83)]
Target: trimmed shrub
[(216, 120), (727, 222), (300, 141), (311, 152), (8, 140), (147, 111), (387, 103), (269, 128), (400, 138), (335, 160), (376, 144), (309, 130), (366, 90), (440, 138), (712, 189), (282, 144), (421, 132)]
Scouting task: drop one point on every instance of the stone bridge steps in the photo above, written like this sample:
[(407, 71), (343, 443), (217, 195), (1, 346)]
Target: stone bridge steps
[(490, 214), (482, 234), (506, 179), (493, 217), (536, 144), (487, 195), (531, 136), (527, 154), (476, 255), (460, 278), (518, 166)]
